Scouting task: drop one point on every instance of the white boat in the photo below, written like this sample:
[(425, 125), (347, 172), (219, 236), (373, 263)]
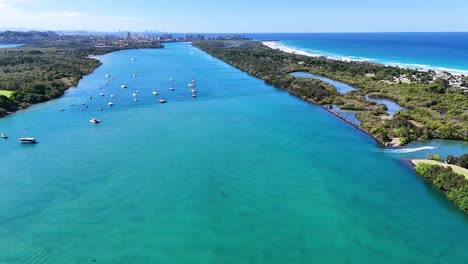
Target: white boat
[(110, 104), (155, 93), (134, 94), (100, 108), (112, 96), (26, 140), (123, 86), (172, 89), (90, 97), (194, 95), (107, 82), (134, 75), (136, 99), (193, 80), (3, 135), (101, 94), (100, 86), (61, 109), (137, 91), (108, 75), (162, 101), (95, 120), (193, 90), (171, 80), (133, 59), (191, 84)]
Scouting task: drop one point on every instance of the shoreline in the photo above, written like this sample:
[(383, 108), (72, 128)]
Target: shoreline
[(274, 44)]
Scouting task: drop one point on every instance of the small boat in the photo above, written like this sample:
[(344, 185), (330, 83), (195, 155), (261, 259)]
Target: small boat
[(136, 99), (82, 103), (95, 120), (101, 94), (86, 106), (3, 135), (193, 80), (107, 83), (123, 86), (100, 108), (172, 89), (137, 91), (108, 75), (112, 96), (194, 95), (27, 140), (134, 75), (90, 97), (155, 93), (133, 59), (193, 90), (162, 101), (191, 84), (171, 80), (134, 94), (110, 104), (61, 109), (100, 86), (180, 96)]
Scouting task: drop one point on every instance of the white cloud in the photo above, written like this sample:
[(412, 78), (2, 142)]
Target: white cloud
[(11, 16), (61, 14)]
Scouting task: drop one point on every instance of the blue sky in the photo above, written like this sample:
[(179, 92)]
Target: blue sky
[(237, 15)]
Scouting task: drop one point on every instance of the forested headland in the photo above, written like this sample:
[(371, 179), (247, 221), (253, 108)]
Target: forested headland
[(47, 64), (432, 107)]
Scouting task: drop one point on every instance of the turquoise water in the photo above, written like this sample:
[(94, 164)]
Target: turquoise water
[(301, 186), (340, 87)]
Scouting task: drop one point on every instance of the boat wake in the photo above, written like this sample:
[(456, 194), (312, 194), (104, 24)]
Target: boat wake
[(407, 150)]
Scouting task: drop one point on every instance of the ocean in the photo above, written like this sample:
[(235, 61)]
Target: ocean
[(437, 51), (244, 173)]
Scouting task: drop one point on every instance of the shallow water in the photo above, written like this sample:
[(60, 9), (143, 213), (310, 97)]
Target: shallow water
[(145, 185), (340, 87)]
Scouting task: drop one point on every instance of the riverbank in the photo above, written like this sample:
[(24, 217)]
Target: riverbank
[(429, 110), (455, 168), (452, 180), (48, 64)]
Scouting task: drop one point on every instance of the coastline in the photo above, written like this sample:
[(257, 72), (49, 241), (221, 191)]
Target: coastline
[(455, 168), (419, 67)]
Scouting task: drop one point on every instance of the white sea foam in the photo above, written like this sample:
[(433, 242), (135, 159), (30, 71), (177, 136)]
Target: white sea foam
[(423, 67), (408, 150)]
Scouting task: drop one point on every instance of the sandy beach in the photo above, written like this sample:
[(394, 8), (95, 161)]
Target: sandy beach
[(420, 67)]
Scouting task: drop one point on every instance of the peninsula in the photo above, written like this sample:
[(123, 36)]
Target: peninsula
[(433, 107)]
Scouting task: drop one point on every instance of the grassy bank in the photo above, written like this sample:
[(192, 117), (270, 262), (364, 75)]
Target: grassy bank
[(433, 109), (6, 93), (456, 169), (452, 180)]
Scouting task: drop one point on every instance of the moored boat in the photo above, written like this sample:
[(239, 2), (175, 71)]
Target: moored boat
[(110, 104), (123, 86), (26, 140), (162, 101), (3, 135), (155, 93), (94, 120)]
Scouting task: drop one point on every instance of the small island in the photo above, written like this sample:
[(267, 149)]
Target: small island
[(47, 64), (433, 105)]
